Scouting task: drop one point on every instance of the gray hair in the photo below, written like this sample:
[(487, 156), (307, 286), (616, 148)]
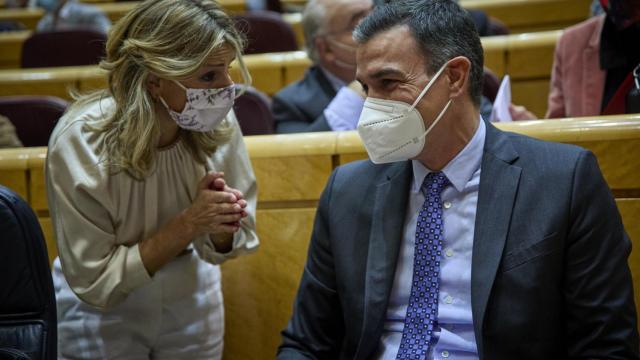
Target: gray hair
[(313, 25), (442, 29)]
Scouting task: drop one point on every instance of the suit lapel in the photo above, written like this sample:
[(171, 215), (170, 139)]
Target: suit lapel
[(499, 181), (387, 226), (593, 89)]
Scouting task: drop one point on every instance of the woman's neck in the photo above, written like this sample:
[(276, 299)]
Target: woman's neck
[(169, 130)]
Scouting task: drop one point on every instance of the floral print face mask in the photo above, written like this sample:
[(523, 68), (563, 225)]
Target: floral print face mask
[(205, 108)]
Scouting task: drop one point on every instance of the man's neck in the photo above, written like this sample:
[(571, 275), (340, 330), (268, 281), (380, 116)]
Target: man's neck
[(449, 137)]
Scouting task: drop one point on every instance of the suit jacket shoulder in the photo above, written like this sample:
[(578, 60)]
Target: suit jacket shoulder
[(302, 103)]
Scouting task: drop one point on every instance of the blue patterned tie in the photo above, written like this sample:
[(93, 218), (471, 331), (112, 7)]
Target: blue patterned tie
[(422, 311)]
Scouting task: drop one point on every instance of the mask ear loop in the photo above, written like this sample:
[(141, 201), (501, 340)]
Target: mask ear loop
[(446, 107), (424, 91), (426, 88)]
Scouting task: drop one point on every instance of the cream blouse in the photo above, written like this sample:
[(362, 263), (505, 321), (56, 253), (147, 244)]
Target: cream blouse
[(99, 218)]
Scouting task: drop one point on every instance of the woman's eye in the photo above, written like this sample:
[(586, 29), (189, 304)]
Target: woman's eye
[(208, 77)]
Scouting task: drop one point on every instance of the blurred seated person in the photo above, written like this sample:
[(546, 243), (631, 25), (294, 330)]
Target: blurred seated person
[(327, 98), (594, 62), (71, 15), (8, 137), (20, 3)]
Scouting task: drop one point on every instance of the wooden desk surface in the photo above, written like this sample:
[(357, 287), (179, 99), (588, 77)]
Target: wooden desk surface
[(113, 10)]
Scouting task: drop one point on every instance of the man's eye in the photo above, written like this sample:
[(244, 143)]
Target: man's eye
[(387, 83)]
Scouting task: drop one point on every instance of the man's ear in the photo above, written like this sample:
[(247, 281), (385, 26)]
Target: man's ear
[(154, 86), (458, 74), (324, 50)]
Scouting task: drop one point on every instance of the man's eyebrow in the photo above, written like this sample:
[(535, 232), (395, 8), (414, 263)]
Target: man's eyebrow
[(387, 72)]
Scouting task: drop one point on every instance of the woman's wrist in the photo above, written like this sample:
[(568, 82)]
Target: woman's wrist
[(223, 242)]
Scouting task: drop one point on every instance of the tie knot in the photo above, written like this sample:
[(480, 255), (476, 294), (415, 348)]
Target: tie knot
[(434, 183)]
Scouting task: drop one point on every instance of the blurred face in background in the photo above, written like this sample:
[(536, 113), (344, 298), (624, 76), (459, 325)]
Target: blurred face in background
[(335, 44), (623, 13)]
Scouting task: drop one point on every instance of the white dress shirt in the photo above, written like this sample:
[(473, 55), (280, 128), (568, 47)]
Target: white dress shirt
[(454, 335), (343, 112)]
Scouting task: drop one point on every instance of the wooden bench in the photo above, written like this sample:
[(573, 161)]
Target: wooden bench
[(113, 10), (528, 58), (521, 15), (292, 170), (533, 15), (270, 72)]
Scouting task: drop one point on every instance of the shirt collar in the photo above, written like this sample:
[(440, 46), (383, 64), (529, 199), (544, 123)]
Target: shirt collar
[(459, 170), (335, 81)]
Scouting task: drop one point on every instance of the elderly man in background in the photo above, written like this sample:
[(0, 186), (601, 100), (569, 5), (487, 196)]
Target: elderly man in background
[(457, 240), (324, 100)]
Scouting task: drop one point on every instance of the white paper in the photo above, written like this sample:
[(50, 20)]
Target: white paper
[(500, 111)]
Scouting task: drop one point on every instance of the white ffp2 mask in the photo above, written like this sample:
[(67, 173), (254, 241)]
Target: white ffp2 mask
[(394, 130), (205, 108)]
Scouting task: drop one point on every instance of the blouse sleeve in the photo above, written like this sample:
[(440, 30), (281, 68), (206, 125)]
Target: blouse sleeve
[(233, 160), (100, 271)]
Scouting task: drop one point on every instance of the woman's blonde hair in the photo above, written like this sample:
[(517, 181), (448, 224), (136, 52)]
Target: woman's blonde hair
[(170, 39)]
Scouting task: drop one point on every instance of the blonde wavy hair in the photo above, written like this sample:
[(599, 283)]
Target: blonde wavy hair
[(170, 39)]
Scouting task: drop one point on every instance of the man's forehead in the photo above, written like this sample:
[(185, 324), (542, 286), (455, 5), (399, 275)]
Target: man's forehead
[(394, 48)]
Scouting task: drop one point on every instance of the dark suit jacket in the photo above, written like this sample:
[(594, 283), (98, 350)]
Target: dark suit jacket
[(549, 269), (299, 107)]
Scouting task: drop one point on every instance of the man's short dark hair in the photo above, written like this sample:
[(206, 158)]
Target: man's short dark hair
[(443, 29)]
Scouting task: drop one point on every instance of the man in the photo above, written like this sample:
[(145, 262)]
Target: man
[(463, 241), (72, 15), (322, 100)]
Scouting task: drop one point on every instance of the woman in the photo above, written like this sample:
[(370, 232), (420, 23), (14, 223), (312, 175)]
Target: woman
[(149, 187)]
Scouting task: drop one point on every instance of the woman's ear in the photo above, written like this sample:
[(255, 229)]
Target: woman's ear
[(154, 86), (458, 74)]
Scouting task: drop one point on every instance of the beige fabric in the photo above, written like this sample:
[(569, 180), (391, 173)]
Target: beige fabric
[(99, 218), (8, 137)]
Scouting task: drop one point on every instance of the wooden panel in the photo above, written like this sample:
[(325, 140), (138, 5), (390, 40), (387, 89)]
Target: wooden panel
[(49, 237), (620, 168), (533, 15), (533, 94), (113, 10), (295, 20), (300, 178), (15, 180), (259, 289), (116, 10), (28, 17), (495, 53), (530, 56), (56, 81), (11, 48), (13, 170), (92, 79), (630, 212), (38, 189)]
